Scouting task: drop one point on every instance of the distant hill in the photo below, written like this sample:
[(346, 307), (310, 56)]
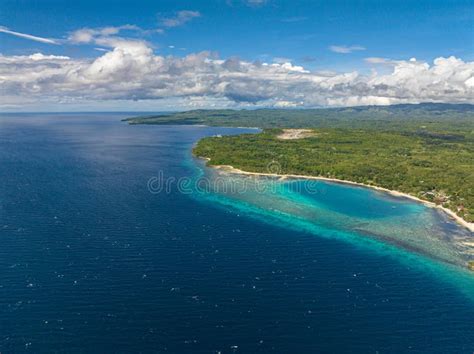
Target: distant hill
[(406, 116)]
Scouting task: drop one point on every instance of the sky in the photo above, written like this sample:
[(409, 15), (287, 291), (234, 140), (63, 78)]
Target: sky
[(175, 55)]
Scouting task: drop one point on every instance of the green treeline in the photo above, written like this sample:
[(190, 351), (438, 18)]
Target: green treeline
[(426, 150), (434, 166), (434, 116)]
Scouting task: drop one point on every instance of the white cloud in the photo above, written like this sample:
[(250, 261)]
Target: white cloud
[(377, 60), (131, 71), (256, 2), (180, 19), (88, 35), (341, 49), (40, 56), (287, 104), (28, 36)]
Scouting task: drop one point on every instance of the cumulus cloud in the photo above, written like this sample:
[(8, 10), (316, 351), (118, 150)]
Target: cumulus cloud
[(342, 49), (132, 71), (180, 19), (28, 36)]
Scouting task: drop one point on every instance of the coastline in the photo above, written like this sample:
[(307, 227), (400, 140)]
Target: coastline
[(449, 212)]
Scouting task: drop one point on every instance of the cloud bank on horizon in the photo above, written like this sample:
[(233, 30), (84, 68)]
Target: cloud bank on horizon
[(130, 70)]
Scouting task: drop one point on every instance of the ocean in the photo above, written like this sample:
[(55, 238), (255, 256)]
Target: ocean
[(109, 244)]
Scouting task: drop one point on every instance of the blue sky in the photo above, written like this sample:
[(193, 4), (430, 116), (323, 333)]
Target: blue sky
[(336, 36)]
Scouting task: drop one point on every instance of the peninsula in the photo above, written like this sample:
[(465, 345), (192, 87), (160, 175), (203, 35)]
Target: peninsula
[(425, 151)]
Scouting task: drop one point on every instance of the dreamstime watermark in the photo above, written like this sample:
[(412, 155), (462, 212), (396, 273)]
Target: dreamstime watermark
[(231, 183)]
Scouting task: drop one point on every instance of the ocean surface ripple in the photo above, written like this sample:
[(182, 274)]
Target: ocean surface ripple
[(92, 260)]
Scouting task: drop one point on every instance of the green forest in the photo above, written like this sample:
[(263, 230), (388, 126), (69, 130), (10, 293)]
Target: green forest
[(436, 167), (437, 116), (425, 150)]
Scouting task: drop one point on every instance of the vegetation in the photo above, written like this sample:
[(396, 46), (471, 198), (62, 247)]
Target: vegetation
[(425, 150), (433, 166), (432, 116)]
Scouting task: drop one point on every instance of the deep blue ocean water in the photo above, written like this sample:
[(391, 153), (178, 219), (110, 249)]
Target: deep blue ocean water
[(91, 261)]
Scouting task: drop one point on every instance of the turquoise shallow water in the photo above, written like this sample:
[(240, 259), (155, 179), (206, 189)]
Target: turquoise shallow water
[(92, 261), (408, 231)]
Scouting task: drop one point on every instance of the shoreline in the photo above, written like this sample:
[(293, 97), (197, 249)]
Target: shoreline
[(449, 212)]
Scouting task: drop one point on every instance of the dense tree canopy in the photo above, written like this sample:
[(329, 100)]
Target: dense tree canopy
[(426, 150)]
